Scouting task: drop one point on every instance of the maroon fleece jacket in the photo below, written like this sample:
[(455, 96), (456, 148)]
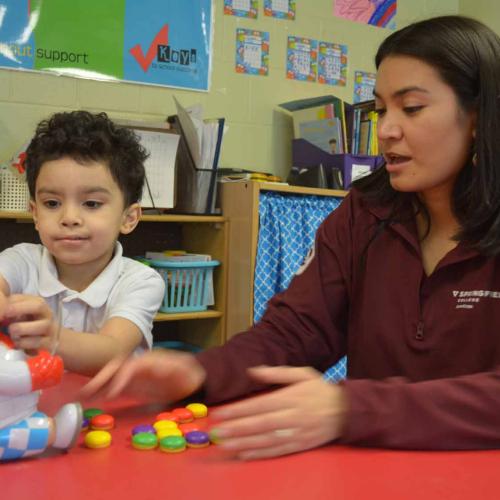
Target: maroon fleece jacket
[(423, 351)]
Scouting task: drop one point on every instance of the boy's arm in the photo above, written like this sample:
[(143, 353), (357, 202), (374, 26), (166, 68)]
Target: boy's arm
[(32, 326), (87, 353), (130, 312)]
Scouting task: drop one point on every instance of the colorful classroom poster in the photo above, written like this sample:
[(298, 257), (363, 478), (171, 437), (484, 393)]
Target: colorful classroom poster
[(252, 52), (375, 12), (364, 83), (157, 42), (282, 9), (302, 58), (241, 8), (332, 63)]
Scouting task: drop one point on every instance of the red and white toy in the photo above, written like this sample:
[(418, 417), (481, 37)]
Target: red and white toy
[(24, 431)]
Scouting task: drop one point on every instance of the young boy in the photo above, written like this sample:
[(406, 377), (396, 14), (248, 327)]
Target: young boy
[(85, 177)]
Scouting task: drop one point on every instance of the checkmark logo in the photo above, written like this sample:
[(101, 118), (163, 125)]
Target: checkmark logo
[(145, 61)]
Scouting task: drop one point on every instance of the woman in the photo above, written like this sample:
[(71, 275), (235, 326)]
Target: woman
[(404, 279)]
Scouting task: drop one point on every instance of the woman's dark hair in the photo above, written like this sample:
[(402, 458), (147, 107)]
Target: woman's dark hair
[(87, 137), (466, 54)]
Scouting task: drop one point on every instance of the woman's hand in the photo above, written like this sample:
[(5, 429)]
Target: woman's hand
[(160, 376), (307, 413)]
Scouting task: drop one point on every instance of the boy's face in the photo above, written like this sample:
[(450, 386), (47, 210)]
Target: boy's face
[(79, 213)]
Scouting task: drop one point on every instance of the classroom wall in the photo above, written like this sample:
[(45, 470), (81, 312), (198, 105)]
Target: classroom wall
[(259, 134), (487, 11)]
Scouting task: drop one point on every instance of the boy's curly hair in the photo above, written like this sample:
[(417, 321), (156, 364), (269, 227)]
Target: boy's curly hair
[(87, 137)]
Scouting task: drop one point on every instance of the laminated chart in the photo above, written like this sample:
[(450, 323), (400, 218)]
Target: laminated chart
[(252, 52), (241, 8), (302, 59), (332, 63), (281, 9)]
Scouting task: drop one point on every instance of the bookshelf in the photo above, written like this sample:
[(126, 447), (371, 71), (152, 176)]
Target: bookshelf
[(206, 234), (240, 204)]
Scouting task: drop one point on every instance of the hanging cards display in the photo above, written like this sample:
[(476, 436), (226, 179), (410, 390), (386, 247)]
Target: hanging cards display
[(282, 9), (332, 63), (302, 59), (241, 8)]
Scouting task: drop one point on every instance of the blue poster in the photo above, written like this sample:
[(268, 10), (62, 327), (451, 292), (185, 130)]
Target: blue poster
[(157, 42), (16, 41), (168, 41)]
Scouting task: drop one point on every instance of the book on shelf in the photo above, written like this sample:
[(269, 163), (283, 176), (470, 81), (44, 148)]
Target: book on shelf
[(323, 112), (318, 108), (326, 134), (362, 128), (363, 137)]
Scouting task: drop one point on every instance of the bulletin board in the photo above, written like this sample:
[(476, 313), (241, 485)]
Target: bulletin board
[(155, 42)]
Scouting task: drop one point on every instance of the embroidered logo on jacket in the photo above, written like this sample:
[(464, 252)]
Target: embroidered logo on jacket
[(467, 298)]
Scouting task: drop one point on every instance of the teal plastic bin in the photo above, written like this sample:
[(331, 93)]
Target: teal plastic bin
[(188, 285)]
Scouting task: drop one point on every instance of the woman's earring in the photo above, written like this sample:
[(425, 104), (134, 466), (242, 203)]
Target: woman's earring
[(474, 159)]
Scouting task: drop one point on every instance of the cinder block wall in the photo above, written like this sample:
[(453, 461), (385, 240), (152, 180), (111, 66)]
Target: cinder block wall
[(259, 134)]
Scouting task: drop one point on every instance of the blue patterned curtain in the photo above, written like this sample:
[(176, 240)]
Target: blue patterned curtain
[(287, 226)]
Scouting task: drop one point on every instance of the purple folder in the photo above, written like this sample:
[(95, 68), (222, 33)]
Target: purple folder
[(305, 154)]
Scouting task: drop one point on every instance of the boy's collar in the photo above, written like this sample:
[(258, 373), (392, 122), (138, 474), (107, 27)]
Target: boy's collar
[(95, 295)]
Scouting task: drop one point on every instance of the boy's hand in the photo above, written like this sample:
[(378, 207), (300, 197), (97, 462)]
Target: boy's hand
[(160, 376), (31, 323), (3, 306)]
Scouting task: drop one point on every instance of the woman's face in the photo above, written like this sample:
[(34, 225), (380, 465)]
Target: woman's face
[(424, 134)]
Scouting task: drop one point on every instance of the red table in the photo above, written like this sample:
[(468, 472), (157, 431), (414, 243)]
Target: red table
[(333, 472)]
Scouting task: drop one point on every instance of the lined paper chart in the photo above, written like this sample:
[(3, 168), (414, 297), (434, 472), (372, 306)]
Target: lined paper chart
[(159, 189)]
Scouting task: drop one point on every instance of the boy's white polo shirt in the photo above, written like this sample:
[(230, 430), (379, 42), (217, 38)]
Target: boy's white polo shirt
[(125, 288)]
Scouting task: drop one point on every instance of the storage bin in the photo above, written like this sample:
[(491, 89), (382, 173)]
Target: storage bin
[(188, 285), (305, 154), (14, 193), (176, 345)]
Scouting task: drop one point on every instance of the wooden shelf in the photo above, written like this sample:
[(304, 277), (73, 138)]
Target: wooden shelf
[(182, 218), (15, 215), (210, 313), (145, 217), (285, 188)]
